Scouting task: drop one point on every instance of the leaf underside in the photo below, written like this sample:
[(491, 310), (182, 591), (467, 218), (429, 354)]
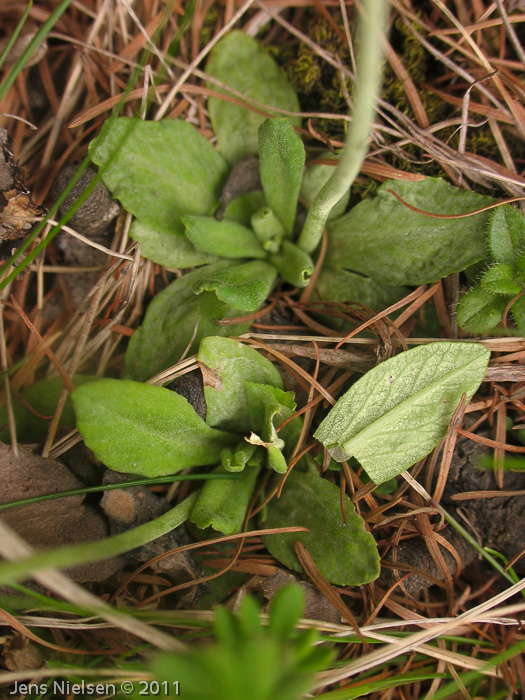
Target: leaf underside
[(398, 412)]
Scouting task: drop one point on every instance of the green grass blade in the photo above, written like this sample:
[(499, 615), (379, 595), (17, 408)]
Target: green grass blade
[(32, 46), (110, 487), (366, 689), (468, 678), (10, 43)]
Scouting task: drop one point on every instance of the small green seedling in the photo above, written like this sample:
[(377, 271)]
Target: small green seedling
[(247, 659), (482, 307)]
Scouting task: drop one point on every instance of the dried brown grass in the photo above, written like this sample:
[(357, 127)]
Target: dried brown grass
[(478, 69)]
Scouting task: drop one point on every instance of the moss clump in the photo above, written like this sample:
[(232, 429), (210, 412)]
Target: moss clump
[(317, 83)]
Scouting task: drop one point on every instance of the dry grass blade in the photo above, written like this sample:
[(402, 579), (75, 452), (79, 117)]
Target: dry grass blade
[(414, 641)]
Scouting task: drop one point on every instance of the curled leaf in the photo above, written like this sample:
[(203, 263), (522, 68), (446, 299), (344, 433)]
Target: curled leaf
[(244, 287), (293, 264)]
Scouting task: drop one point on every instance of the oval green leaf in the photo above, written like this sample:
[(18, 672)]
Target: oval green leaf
[(160, 171), (34, 407), (226, 239), (145, 429), (480, 310), (226, 366), (346, 554), (224, 505), (506, 233), (398, 412), (500, 279), (382, 229), (281, 162), (240, 63), (244, 287), (167, 249)]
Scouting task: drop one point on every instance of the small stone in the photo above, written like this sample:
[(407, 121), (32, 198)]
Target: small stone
[(190, 386), (21, 655), (244, 178), (95, 215)]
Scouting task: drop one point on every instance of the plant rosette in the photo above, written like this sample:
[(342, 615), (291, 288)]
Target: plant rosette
[(171, 179), (231, 212), (152, 431)]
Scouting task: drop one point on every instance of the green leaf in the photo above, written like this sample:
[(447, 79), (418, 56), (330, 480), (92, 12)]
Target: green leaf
[(284, 665), (286, 610), (144, 429), (240, 63), (346, 554), (398, 412), (315, 177), (480, 310), (248, 621), (519, 268), (170, 323), (276, 460), (226, 366), (244, 287), (242, 209), (334, 284), (159, 171), (506, 233), (224, 508), (294, 265), (42, 397), (268, 229), (281, 162), (380, 230), (226, 239), (167, 249), (500, 279), (518, 314)]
